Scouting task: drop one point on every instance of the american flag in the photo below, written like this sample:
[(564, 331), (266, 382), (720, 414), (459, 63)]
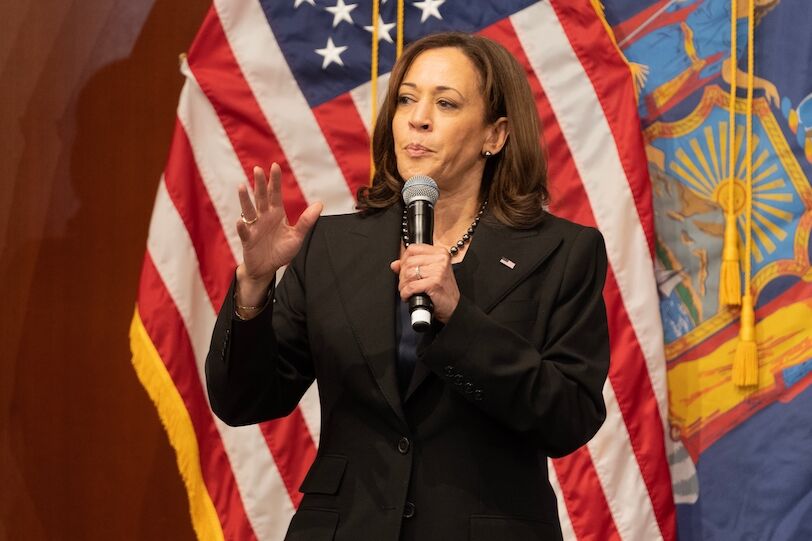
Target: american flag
[(289, 81)]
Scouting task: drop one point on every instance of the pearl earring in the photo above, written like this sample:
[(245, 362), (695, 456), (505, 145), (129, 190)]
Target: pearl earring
[(487, 154)]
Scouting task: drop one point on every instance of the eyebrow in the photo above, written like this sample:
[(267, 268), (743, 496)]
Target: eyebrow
[(438, 87)]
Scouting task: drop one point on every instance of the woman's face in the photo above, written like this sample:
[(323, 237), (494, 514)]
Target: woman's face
[(439, 125)]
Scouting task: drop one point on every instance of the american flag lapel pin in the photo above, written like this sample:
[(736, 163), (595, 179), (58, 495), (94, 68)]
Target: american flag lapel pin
[(507, 262)]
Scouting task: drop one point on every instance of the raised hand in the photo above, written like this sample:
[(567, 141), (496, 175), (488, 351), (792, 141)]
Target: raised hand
[(269, 242)]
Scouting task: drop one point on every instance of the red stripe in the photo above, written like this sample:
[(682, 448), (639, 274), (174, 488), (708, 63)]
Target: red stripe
[(629, 378), (220, 77), (612, 80), (293, 450), (165, 327), (585, 501), (632, 387), (191, 199), (638, 404), (347, 137), (217, 263)]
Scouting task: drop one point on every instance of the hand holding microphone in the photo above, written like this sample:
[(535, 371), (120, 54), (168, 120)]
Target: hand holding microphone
[(426, 277)]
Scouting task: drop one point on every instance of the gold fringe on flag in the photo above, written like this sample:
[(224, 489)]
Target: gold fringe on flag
[(730, 274), (153, 375), (745, 364)]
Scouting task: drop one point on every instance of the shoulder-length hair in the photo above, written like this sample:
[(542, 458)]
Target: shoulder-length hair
[(515, 179)]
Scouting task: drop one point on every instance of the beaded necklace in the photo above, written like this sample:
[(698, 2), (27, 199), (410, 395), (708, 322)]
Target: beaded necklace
[(460, 243)]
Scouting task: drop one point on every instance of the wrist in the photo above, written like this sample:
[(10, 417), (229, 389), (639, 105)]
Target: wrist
[(251, 292)]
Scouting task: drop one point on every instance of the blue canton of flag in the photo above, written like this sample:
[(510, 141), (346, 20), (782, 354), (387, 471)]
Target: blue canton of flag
[(327, 43)]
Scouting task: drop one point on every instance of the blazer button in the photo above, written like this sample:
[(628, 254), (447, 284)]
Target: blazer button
[(408, 510), (403, 445), (478, 394)]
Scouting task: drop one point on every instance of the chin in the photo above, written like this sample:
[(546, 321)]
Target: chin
[(413, 167)]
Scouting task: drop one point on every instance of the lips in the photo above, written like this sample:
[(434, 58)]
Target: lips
[(414, 150)]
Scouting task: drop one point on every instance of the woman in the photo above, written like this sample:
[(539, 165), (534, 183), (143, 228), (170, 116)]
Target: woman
[(444, 435)]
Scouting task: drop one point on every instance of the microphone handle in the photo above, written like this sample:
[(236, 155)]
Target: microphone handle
[(420, 216)]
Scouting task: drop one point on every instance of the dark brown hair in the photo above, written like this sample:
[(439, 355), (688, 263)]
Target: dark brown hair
[(515, 179)]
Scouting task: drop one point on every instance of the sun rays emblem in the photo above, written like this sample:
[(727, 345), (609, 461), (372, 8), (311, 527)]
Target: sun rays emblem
[(701, 163)]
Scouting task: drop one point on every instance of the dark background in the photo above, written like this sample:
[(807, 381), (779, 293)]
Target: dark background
[(88, 91)]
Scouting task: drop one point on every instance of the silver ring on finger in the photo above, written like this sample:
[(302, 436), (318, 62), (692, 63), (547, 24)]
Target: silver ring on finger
[(417, 273), (248, 222)]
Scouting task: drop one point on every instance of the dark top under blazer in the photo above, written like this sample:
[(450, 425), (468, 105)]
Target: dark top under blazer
[(515, 376)]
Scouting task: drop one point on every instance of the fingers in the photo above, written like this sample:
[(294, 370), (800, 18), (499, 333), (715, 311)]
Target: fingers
[(421, 249), (268, 192), (418, 277), (276, 185), (246, 206), (260, 189), (426, 285)]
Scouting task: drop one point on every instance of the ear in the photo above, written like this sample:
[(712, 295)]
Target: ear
[(497, 135)]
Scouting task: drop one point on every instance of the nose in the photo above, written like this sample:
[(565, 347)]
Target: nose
[(421, 116)]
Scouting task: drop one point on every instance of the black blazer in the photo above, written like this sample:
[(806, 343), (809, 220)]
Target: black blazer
[(513, 378)]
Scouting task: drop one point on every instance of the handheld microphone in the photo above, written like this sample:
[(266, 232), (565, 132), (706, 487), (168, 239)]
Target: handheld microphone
[(420, 193)]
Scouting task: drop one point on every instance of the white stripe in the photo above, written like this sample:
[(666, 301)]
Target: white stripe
[(311, 411), (563, 514), (258, 479), (268, 75), (587, 133), (216, 160), (620, 476), (221, 172), (362, 98)]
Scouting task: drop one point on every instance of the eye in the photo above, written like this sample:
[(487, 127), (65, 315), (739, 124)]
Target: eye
[(404, 99), (445, 104)]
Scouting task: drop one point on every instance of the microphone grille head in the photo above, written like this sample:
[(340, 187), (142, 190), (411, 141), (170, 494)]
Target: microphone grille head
[(420, 187)]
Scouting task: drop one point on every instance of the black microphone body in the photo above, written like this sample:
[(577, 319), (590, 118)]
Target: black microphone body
[(420, 223), (420, 193)]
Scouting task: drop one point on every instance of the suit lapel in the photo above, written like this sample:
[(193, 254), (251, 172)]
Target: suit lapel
[(498, 260), (503, 258), (360, 258)]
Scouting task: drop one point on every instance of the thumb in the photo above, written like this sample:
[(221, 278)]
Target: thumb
[(308, 218), (395, 266)]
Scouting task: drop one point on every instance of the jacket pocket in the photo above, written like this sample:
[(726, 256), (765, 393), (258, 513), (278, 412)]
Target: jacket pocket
[(501, 527), (313, 525), (325, 475)]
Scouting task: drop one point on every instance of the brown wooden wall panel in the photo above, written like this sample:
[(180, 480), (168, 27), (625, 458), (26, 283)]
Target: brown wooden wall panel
[(87, 107)]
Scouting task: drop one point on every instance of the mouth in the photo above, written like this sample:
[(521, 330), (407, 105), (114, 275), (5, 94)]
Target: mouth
[(414, 150)]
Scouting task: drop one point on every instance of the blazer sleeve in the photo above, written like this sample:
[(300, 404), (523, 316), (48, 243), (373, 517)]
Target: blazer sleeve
[(553, 391), (258, 369)]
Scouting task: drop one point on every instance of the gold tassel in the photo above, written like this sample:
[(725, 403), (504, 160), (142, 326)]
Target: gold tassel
[(729, 274), (730, 283), (745, 364)]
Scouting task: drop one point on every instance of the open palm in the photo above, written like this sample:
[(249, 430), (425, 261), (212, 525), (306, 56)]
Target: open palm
[(269, 242)]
